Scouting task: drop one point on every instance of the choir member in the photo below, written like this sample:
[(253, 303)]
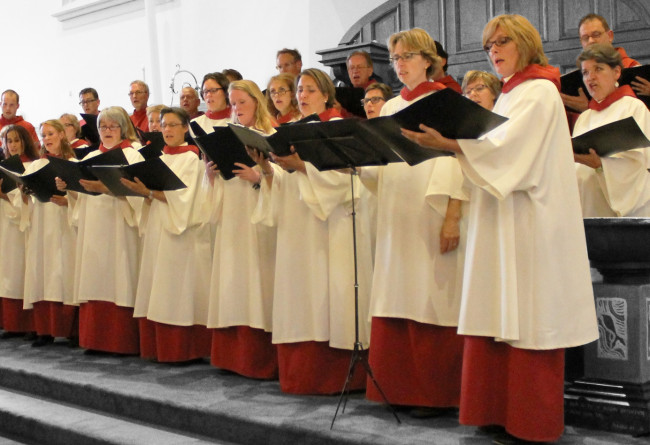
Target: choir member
[(16, 321), (481, 87), (416, 355), (214, 90), (89, 101), (360, 69), (73, 131), (377, 94), (107, 259), (139, 96), (10, 102), (288, 61), (171, 303), (154, 117), (241, 289), (441, 74), (594, 29), (190, 101), (50, 251), (281, 99), (313, 297), (527, 289), (617, 185)]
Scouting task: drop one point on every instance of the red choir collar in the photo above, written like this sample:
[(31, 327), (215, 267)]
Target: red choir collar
[(423, 88), (25, 158), (329, 114), (450, 82), (180, 149), (533, 71), (122, 145), (4, 121), (47, 154), (617, 94), (216, 115), (286, 118)]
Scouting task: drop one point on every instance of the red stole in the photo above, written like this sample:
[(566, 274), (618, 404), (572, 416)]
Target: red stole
[(216, 115), (287, 117), (423, 88), (628, 62), (329, 114), (24, 158), (450, 82), (122, 145), (180, 149), (533, 71), (617, 94)]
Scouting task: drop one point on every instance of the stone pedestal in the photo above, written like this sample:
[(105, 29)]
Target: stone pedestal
[(614, 394)]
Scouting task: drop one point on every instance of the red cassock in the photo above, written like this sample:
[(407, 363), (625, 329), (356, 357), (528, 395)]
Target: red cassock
[(139, 119)]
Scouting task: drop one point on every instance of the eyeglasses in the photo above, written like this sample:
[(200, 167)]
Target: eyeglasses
[(477, 89), (357, 67), (88, 101), (211, 91), (170, 125), (373, 100), (594, 35), (405, 57), (279, 92), (136, 93), (498, 42), (285, 65), (109, 127)]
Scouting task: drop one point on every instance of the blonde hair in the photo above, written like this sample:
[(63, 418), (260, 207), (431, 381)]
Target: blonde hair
[(262, 116), (74, 121), (490, 80), (66, 149), (154, 109), (523, 34), (418, 40)]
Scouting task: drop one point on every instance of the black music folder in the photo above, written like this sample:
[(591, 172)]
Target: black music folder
[(570, 82), (82, 152), (615, 137), (14, 164), (89, 130), (40, 183), (225, 149), (154, 144), (73, 172), (154, 173), (453, 115), (350, 99)]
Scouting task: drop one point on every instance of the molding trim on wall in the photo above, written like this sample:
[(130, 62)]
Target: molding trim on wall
[(74, 12)]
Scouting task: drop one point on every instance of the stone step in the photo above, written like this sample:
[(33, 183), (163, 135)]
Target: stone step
[(43, 421)]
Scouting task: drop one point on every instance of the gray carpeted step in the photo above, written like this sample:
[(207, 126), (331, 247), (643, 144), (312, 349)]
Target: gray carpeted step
[(43, 421)]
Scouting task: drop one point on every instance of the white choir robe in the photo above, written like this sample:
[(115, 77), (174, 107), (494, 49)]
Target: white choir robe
[(623, 186), (243, 264), (50, 251), (12, 241), (313, 298), (208, 124), (176, 256), (412, 279), (107, 252), (527, 279)]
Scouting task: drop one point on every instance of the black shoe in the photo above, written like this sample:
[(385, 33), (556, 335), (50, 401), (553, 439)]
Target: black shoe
[(43, 340), (428, 412), (509, 439), (6, 335), (492, 430), (30, 336), (73, 342)]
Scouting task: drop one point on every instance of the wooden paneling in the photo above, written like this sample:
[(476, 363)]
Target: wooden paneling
[(426, 15), (468, 14), (385, 26)]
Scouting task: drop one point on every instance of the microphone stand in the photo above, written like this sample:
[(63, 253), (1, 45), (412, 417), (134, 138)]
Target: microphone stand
[(357, 352)]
